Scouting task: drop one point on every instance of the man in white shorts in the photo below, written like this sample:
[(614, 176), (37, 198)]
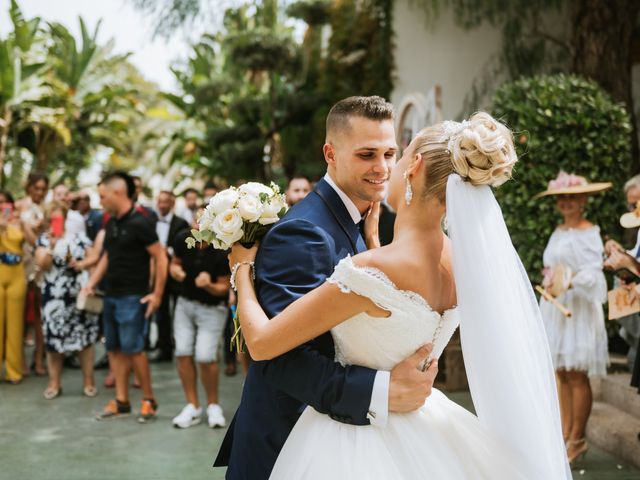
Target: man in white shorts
[(198, 324)]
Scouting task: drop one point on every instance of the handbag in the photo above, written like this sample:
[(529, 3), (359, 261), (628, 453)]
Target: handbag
[(90, 303)]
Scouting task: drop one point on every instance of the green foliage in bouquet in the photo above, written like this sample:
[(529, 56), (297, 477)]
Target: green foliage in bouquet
[(561, 122)]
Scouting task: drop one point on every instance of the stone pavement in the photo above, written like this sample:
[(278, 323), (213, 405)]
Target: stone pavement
[(61, 440)]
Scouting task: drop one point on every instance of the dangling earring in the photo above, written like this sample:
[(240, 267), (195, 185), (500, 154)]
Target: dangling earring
[(408, 194)]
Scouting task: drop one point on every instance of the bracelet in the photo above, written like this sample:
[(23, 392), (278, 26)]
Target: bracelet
[(234, 271)]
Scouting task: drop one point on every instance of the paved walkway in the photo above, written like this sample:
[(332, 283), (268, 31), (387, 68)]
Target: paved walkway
[(60, 440)]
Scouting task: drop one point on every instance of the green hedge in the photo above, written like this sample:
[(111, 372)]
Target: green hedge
[(561, 122)]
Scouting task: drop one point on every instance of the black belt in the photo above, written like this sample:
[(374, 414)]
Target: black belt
[(9, 258)]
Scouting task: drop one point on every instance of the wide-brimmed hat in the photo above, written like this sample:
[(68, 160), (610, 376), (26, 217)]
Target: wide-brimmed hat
[(631, 219), (571, 184)]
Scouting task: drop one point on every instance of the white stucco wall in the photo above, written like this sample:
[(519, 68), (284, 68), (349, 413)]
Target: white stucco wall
[(443, 54)]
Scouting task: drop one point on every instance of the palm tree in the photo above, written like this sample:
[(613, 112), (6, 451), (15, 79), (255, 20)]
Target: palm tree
[(22, 85), (91, 85)]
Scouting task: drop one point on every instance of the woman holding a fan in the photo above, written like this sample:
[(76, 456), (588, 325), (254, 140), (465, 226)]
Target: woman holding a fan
[(573, 278)]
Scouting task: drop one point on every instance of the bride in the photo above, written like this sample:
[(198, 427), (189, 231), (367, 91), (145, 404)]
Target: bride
[(381, 305)]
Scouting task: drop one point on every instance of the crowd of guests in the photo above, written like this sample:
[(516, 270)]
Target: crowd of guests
[(133, 260)]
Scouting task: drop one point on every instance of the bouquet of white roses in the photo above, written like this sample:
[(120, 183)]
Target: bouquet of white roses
[(242, 214)]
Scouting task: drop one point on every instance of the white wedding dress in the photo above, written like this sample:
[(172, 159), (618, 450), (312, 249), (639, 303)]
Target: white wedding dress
[(441, 440), (517, 432)]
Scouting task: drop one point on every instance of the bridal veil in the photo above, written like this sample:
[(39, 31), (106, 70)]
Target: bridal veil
[(505, 348)]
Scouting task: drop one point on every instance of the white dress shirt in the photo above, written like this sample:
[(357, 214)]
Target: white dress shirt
[(379, 406), (188, 214), (162, 228)]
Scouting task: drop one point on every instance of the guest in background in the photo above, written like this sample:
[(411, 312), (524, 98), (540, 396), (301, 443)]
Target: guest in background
[(93, 218), (167, 227), (130, 244), (578, 343), (200, 317), (210, 189), (619, 258), (32, 214), (191, 205), (298, 188), (629, 325), (64, 257), (145, 210), (62, 194), (632, 194), (14, 233)]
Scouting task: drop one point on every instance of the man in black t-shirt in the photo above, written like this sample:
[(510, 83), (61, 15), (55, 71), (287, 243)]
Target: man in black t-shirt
[(199, 320), (129, 245)]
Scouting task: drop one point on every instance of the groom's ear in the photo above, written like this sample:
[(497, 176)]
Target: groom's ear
[(329, 153)]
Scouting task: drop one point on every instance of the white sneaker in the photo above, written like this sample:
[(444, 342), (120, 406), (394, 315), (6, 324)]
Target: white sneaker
[(215, 416), (188, 417)]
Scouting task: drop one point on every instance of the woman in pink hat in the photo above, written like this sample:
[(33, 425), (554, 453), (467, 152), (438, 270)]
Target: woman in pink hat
[(573, 274)]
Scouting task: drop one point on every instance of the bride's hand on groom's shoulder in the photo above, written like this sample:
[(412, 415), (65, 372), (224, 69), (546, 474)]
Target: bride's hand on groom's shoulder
[(371, 223), (240, 254)]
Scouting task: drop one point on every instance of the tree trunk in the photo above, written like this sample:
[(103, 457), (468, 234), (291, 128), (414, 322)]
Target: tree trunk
[(4, 136), (601, 40)]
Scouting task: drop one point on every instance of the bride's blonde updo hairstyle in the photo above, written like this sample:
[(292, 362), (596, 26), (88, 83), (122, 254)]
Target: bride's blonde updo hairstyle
[(480, 150)]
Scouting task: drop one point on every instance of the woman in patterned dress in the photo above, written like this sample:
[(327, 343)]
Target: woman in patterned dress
[(64, 256)]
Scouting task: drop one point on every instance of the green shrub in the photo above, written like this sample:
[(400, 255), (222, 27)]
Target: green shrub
[(561, 122)]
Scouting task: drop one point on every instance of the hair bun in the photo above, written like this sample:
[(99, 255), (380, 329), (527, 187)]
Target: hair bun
[(483, 151)]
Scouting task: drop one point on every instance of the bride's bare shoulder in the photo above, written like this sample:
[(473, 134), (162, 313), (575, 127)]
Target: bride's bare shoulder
[(382, 258)]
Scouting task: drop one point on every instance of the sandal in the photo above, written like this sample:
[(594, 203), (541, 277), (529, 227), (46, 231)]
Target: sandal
[(51, 393), (579, 450), (90, 391)]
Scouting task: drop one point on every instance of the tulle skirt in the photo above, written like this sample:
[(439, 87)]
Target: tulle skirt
[(578, 342), (440, 441)]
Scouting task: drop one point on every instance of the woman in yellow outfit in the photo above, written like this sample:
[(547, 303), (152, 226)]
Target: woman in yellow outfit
[(13, 287)]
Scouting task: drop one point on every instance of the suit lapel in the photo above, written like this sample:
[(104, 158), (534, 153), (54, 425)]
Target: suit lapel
[(173, 225), (341, 214)]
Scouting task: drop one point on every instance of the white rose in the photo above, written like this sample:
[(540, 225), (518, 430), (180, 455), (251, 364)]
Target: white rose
[(250, 208), (255, 189), (206, 220), (222, 201), (271, 210), (228, 226)]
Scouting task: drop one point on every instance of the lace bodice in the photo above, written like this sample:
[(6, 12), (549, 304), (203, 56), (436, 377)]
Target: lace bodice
[(381, 343)]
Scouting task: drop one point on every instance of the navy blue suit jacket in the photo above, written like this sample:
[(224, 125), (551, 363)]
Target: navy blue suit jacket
[(296, 256)]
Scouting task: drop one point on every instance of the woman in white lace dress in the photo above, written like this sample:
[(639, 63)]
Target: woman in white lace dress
[(578, 343), (381, 305)]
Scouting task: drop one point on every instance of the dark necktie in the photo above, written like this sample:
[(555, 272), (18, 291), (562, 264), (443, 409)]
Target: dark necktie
[(360, 243)]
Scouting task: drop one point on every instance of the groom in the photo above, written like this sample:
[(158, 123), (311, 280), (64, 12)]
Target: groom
[(296, 256)]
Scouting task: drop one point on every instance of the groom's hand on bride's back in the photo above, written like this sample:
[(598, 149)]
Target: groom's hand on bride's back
[(409, 386)]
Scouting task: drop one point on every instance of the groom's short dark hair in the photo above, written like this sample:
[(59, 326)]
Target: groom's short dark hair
[(372, 108)]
